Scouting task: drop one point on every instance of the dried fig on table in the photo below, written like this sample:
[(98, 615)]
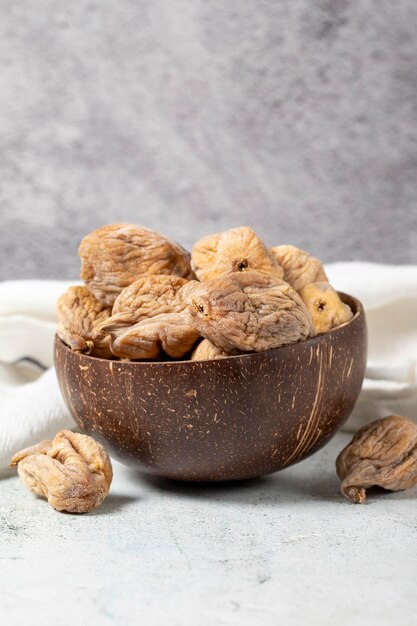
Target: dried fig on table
[(147, 320), (299, 267), (79, 312), (116, 255), (235, 250), (206, 350), (382, 453), (326, 308), (73, 472), (247, 311)]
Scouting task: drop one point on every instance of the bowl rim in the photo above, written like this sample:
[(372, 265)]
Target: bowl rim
[(346, 298)]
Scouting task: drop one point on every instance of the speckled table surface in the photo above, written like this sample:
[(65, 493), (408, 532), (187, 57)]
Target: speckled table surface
[(284, 549)]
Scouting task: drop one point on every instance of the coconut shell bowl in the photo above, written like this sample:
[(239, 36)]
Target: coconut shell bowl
[(233, 418)]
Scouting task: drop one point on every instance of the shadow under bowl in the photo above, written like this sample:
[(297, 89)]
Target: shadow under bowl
[(233, 418)]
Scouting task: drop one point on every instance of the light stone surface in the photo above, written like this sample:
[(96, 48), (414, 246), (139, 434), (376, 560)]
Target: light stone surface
[(287, 549), (297, 118)]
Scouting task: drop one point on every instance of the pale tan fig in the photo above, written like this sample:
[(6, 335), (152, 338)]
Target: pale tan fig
[(235, 250), (145, 298), (382, 453), (300, 268), (116, 255), (147, 320), (169, 333), (206, 350), (247, 311), (326, 308), (79, 312), (73, 472)]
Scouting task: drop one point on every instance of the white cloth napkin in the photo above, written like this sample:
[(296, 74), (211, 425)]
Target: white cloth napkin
[(31, 407), (389, 295)]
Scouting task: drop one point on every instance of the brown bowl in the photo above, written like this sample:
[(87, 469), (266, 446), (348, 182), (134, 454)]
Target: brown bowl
[(227, 419)]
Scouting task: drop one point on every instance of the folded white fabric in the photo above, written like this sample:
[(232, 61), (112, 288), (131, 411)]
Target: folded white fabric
[(389, 295), (31, 407)]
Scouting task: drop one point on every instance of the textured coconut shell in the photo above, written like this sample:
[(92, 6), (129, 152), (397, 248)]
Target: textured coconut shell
[(226, 419)]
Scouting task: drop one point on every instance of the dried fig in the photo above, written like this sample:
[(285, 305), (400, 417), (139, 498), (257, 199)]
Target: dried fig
[(235, 250), (145, 298), (79, 312), (171, 333), (247, 311), (73, 472), (325, 306), (206, 350), (147, 320), (382, 453), (299, 267), (116, 255)]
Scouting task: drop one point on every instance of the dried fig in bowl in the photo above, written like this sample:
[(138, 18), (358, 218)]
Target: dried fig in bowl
[(299, 267), (147, 320), (169, 333), (147, 297), (326, 308), (116, 255), (247, 311), (79, 312), (206, 350), (235, 250)]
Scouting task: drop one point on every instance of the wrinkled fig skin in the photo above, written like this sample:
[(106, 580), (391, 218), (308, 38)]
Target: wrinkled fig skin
[(148, 339), (383, 454), (326, 308), (147, 320), (247, 311), (206, 351), (235, 250), (299, 267), (73, 472), (116, 255), (145, 298), (149, 296), (79, 312)]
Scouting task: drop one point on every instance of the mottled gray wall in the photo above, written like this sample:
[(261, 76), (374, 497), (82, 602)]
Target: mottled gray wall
[(297, 117)]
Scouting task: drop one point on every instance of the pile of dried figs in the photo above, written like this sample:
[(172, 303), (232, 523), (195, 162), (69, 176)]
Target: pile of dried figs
[(145, 297)]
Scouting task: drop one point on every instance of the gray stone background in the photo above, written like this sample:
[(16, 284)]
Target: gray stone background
[(296, 117)]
